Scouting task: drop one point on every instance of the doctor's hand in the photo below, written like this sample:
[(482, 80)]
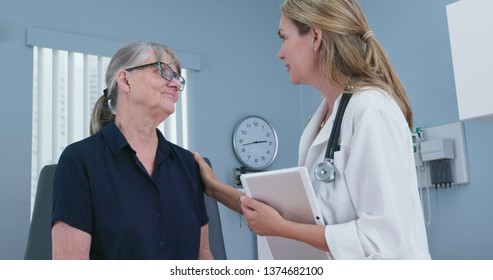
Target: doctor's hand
[(261, 218), (208, 177)]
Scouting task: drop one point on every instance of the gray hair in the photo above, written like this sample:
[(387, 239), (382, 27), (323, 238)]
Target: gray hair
[(132, 55)]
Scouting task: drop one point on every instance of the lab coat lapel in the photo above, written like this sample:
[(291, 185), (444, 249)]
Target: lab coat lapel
[(316, 152), (309, 135), (312, 146)]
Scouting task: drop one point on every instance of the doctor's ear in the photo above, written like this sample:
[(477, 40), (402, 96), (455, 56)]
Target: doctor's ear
[(316, 34)]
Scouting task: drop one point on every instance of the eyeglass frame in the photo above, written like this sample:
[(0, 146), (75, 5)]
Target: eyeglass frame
[(160, 70)]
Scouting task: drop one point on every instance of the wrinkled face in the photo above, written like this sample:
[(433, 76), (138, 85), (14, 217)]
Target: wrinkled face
[(297, 51), (150, 92)]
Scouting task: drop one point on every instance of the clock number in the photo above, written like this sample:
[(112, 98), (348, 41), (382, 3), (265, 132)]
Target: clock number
[(255, 123)]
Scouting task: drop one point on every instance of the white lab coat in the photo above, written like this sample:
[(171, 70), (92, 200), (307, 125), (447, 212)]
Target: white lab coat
[(372, 210)]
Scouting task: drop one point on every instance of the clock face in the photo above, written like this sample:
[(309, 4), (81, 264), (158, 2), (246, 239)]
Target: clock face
[(255, 143)]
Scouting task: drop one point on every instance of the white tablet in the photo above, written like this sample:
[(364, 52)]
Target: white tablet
[(290, 192)]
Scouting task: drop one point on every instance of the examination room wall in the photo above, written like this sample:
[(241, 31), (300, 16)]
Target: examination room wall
[(239, 75)]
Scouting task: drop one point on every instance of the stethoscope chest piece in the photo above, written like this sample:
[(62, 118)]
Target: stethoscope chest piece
[(325, 171)]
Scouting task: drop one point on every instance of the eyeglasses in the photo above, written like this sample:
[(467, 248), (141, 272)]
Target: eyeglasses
[(165, 71)]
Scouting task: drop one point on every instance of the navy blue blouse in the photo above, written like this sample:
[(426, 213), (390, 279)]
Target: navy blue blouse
[(102, 188)]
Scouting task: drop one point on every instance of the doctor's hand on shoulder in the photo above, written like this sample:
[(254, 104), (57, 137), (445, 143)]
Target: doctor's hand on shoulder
[(225, 194), (208, 177)]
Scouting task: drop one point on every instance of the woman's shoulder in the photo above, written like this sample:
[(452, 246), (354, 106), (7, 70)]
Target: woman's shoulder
[(372, 99), (168, 147), (184, 158), (84, 147), (370, 96), (374, 102), (179, 151)]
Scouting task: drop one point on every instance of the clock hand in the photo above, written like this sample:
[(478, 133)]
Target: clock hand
[(255, 142)]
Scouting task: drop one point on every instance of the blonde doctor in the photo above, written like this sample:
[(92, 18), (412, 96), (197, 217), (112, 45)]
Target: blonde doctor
[(371, 208)]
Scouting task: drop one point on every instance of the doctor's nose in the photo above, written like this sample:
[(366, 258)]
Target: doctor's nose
[(280, 55)]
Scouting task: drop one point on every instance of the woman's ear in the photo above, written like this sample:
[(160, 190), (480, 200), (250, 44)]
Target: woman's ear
[(122, 81), (317, 37)]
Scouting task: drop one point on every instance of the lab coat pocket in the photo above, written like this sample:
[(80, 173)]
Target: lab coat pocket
[(338, 199)]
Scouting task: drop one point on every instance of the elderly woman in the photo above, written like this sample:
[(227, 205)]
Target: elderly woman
[(125, 192)]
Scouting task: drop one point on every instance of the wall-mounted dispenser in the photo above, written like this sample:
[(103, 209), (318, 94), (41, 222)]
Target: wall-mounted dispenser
[(441, 155), (438, 153), (441, 159)]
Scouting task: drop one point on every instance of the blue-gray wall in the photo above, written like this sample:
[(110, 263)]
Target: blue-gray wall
[(240, 75)]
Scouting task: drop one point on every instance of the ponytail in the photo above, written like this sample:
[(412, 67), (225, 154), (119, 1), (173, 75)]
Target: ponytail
[(101, 115)]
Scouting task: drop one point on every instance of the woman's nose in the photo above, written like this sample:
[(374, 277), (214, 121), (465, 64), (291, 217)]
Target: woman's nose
[(279, 55)]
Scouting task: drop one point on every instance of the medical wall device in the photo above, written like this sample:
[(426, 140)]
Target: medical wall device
[(440, 156), (441, 160)]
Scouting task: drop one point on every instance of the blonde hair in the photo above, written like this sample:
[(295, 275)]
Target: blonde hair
[(349, 48), (132, 55)]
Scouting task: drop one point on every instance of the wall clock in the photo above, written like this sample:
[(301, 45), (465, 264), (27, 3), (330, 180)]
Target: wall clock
[(255, 143)]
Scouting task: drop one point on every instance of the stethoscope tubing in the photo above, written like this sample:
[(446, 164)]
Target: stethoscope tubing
[(325, 171)]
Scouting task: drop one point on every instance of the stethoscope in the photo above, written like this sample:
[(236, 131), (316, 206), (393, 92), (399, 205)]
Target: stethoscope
[(325, 171)]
